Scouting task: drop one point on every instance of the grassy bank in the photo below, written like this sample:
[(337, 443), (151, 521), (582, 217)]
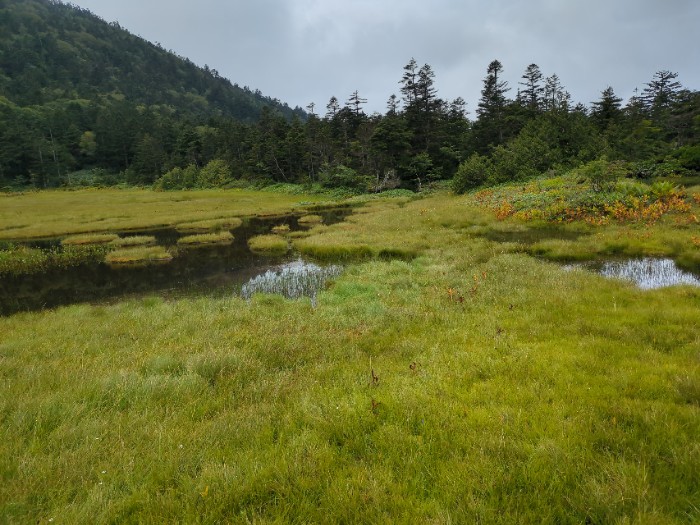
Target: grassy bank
[(467, 382), (56, 213)]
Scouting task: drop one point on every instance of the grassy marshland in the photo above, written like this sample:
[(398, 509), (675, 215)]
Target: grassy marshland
[(54, 213), (205, 239), (139, 255), (469, 382), (272, 245)]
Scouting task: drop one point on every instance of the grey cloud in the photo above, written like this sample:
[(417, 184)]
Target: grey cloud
[(307, 50)]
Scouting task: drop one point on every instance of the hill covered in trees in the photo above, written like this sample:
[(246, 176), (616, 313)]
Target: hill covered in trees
[(74, 87), (85, 102)]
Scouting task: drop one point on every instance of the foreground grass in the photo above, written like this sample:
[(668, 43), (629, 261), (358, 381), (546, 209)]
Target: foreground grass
[(467, 383), (55, 213)]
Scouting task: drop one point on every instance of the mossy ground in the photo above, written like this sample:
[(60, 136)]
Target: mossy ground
[(468, 382)]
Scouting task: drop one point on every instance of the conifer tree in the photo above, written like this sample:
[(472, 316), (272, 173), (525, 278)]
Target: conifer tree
[(491, 107)]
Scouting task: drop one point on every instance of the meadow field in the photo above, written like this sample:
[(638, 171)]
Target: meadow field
[(455, 372)]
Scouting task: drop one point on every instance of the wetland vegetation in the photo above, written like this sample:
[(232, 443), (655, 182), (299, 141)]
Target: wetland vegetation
[(444, 375)]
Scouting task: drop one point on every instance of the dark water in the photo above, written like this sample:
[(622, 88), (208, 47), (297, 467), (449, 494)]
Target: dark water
[(212, 270), (533, 235)]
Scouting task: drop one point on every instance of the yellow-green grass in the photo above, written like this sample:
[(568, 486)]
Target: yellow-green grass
[(205, 239), (212, 225), (139, 255), (56, 213), (134, 240), (271, 245), (280, 228), (310, 220), (468, 384), (89, 238)]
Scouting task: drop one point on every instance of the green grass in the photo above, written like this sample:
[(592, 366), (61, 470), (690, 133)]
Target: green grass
[(205, 239), (467, 383), (138, 256), (271, 245)]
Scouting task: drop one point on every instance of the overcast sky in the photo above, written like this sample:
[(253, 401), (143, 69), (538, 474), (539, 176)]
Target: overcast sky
[(303, 51)]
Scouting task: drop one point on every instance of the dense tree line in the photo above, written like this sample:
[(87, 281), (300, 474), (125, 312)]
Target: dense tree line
[(72, 126)]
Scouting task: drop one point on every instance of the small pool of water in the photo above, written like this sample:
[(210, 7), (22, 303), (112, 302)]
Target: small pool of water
[(648, 273)]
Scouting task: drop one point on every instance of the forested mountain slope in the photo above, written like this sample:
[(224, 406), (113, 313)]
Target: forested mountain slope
[(64, 71)]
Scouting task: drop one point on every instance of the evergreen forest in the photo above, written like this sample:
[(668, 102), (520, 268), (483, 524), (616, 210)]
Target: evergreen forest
[(84, 102)]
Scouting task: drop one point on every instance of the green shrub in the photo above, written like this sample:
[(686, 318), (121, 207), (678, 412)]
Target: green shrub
[(688, 157), (602, 174), (344, 177), (471, 173), (178, 179), (214, 175)]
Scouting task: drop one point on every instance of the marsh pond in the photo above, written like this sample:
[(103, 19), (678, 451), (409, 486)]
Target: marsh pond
[(188, 269)]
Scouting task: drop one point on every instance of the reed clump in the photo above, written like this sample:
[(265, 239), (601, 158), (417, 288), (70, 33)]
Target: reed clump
[(23, 260), (134, 240), (270, 245), (205, 239), (140, 255)]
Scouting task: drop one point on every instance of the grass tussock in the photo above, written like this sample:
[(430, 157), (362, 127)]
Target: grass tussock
[(205, 239), (470, 383), (212, 225), (89, 238), (141, 255), (134, 240), (271, 245), (308, 220)]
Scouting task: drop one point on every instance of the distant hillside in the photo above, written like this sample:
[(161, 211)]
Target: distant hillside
[(51, 51)]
